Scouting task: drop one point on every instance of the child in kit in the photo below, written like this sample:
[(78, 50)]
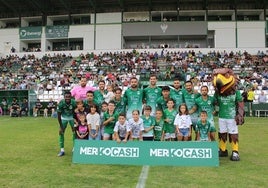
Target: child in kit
[(203, 127)]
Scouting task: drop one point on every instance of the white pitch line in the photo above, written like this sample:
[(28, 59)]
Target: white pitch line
[(143, 177)]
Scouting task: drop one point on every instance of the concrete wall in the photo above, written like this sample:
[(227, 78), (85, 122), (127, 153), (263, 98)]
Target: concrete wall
[(9, 38), (83, 31), (224, 34), (251, 34), (108, 36)]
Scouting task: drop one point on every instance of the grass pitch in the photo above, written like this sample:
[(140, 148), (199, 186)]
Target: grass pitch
[(28, 158)]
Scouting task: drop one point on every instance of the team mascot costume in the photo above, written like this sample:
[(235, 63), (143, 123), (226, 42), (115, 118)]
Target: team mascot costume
[(231, 110)]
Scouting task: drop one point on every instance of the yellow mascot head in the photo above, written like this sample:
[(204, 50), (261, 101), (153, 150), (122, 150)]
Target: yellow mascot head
[(224, 81)]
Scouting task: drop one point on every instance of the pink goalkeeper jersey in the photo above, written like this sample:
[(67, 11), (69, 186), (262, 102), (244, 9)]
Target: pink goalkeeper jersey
[(80, 93)]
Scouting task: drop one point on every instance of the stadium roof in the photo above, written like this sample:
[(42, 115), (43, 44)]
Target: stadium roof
[(27, 8)]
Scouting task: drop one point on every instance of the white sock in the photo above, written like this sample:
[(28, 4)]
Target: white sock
[(62, 149)]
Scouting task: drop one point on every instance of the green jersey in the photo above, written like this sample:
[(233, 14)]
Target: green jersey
[(161, 103), (120, 105), (151, 95), (158, 129), (98, 98), (203, 129), (189, 99), (109, 128), (148, 122), (206, 105), (66, 109), (227, 105), (177, 96), (133, 100), (169, 126)]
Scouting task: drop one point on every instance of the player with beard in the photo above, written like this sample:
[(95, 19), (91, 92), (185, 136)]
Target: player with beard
[(133, 97), (207, 103), (98, 94), (177, 94), (79, 92), (152, 93), (189, 97)]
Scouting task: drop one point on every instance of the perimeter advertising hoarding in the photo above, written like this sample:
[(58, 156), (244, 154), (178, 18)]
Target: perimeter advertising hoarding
[(146, 153)]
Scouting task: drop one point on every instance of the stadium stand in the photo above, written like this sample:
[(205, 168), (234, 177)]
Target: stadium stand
[(181, 39)]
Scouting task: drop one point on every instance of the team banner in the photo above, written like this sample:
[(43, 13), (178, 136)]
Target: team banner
[(146, 153), (57, 31), (30, 32)]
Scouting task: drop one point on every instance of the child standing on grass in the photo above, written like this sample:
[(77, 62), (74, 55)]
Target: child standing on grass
[(80, 109), (148, 124), (121, 129), (183, 123), (104, 108), (93, 121), (203, 127), (169, 116), (82, 128), (136, 125), (158, 127), (110, 118)]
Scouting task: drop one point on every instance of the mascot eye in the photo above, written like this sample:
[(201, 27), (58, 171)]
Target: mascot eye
[(227, 75)]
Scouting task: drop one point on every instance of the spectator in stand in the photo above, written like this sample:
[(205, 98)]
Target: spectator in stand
[(15, 108), (262, 97), (265, 85), (4, 106), (80, 92), (51, 106), (36, 109), (24, 107)]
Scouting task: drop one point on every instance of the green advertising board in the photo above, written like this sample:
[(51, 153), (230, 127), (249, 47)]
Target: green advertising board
[(57, 31), (146, 153), (30, 32)]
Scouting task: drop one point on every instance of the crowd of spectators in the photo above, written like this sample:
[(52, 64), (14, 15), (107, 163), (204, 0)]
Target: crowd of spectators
[(28, 72), (60, 70)]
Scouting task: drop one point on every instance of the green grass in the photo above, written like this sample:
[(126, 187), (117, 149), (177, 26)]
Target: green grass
[(28, 158)]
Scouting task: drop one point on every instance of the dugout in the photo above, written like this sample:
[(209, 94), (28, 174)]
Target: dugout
[(20, 95)]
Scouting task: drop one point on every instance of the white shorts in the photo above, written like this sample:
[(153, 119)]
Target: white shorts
[(228, 126), (169, 135)]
